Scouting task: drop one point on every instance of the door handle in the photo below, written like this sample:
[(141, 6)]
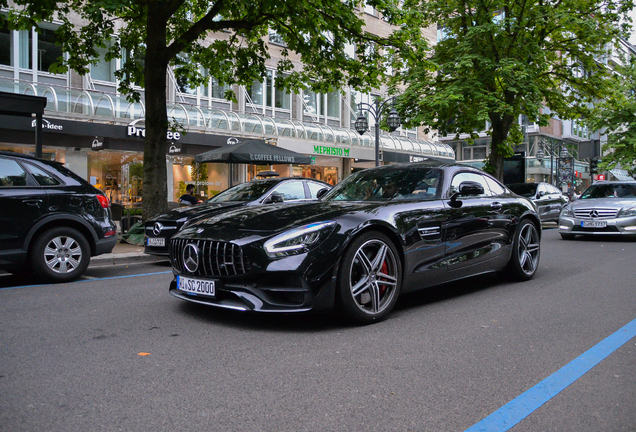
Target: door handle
[(496, 206), (33, 203)]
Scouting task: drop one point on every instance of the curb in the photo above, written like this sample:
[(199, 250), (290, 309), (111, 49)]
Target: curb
[(125, 258)]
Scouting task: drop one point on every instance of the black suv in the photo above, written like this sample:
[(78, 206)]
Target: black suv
[(51, 220)]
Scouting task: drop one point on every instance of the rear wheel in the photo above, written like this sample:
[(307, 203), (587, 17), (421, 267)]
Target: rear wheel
[(60, 254), (369, 278), (526, 251)]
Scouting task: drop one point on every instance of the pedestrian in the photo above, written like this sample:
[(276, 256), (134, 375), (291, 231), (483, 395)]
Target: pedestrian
[(188, 198)]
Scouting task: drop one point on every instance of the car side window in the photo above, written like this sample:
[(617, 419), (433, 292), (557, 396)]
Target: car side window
[(495, 187), (462, 177), (542, 188), (42, 177), (314, 188), (11, 174), (291, 190)]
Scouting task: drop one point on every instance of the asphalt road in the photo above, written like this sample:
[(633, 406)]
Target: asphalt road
[(116, 352)]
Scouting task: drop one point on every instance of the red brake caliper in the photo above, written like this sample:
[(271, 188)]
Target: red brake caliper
[(384, 270)]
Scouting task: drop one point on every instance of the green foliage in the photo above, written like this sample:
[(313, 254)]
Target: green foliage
[(500, 59), (616, 116)]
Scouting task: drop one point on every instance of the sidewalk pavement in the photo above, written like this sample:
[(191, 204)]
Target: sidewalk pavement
[(125, 253)]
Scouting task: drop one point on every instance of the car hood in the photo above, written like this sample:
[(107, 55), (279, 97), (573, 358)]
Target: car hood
[(612, 203), (267, 220), (198, 211)]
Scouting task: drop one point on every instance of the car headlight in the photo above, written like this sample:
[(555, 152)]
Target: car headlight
[(627, 212), (567, 212), (299, 240)]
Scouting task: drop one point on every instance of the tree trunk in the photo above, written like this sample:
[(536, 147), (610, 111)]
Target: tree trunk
[(499, 149), (155, 186)]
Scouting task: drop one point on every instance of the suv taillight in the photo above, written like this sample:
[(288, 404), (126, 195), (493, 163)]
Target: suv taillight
[(103, 201)]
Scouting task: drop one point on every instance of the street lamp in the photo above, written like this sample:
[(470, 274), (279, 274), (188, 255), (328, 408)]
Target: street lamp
[(552, 148), (376, 109)]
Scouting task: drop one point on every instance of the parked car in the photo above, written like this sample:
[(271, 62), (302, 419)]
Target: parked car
[(379, 233), (548, 198), (160, 228), (606, 207), (51, 220)]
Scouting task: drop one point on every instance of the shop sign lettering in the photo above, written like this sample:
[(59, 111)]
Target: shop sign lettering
[(47, 125), (417, 158), (272, 158), (98, 144), (141, 133), (331, 151)]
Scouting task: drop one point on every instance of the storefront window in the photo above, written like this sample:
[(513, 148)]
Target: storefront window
[(208, 179), (118, 174), (324, 173)]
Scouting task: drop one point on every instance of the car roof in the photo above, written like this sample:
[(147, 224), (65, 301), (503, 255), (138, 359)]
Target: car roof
[(29, 157), (275, 180)]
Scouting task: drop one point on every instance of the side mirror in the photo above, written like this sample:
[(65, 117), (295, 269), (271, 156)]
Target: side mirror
[(470, 188), (540, 194), (322, 192), (466, 188), (275, 198)]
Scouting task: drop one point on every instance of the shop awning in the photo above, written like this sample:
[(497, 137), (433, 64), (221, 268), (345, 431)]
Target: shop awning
[(621, 174), (253, 152)]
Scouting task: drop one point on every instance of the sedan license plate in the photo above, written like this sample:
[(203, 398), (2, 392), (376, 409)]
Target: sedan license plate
[(156, 241), (196, 286), (593, 224)]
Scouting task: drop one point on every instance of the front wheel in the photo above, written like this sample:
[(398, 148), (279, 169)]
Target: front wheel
[(369, 278), (60, 254), (526, 251)]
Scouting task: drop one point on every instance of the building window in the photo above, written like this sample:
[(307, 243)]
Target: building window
[(25, 42), (48, 51), (311, 102), (104, 70), (6, 45), (213, 89), (333, 104)]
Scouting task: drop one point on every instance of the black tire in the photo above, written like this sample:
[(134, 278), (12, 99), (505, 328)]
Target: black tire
[(526, 251), (567, 236), (369, 278), (60, 254)]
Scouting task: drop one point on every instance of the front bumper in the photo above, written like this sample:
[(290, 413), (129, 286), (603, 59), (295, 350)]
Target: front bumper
[(617, 226), (271, 292)]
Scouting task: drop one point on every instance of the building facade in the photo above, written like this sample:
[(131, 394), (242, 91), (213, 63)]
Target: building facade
[(99, 133)]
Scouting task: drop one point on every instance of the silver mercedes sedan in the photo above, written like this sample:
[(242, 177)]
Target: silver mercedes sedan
[(606, 208)]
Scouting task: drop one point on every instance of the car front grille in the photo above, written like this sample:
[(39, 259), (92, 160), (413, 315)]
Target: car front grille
[(595, 213), (215, 258)]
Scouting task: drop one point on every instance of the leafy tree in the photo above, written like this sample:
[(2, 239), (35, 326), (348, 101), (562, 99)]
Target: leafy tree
[(152, 34), (616, 117), (498, 59)]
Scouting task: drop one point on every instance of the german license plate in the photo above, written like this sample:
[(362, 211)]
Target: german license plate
[(593, 224), (156, 241), (196, 286)]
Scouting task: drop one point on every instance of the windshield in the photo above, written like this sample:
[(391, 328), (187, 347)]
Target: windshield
[(524, 189), (388, 185), (245, 192), (616, 190)]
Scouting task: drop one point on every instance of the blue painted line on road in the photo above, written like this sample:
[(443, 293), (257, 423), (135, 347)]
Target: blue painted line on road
[(523, 405), (90, 280)]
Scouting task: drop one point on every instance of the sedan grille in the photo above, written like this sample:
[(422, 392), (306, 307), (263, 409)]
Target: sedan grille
[(595, 213), (215, 258)]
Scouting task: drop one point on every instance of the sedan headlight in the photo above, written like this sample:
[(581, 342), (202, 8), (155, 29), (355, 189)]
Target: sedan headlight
[(299, 240), (567, 212), (627, 212)]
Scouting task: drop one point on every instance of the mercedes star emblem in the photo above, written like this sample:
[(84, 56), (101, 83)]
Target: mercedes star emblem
[(156, 230), (190, 257), (593, 214)]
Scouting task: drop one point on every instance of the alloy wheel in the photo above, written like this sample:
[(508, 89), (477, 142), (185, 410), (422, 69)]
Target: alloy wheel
[(373, 277), (63, 254)]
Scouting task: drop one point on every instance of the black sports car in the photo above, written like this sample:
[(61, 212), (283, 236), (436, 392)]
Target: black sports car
[(160, 228), (549, 199), (379, 233)]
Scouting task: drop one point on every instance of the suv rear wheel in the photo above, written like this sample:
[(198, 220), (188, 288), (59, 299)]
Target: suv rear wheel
[(60, 254)]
